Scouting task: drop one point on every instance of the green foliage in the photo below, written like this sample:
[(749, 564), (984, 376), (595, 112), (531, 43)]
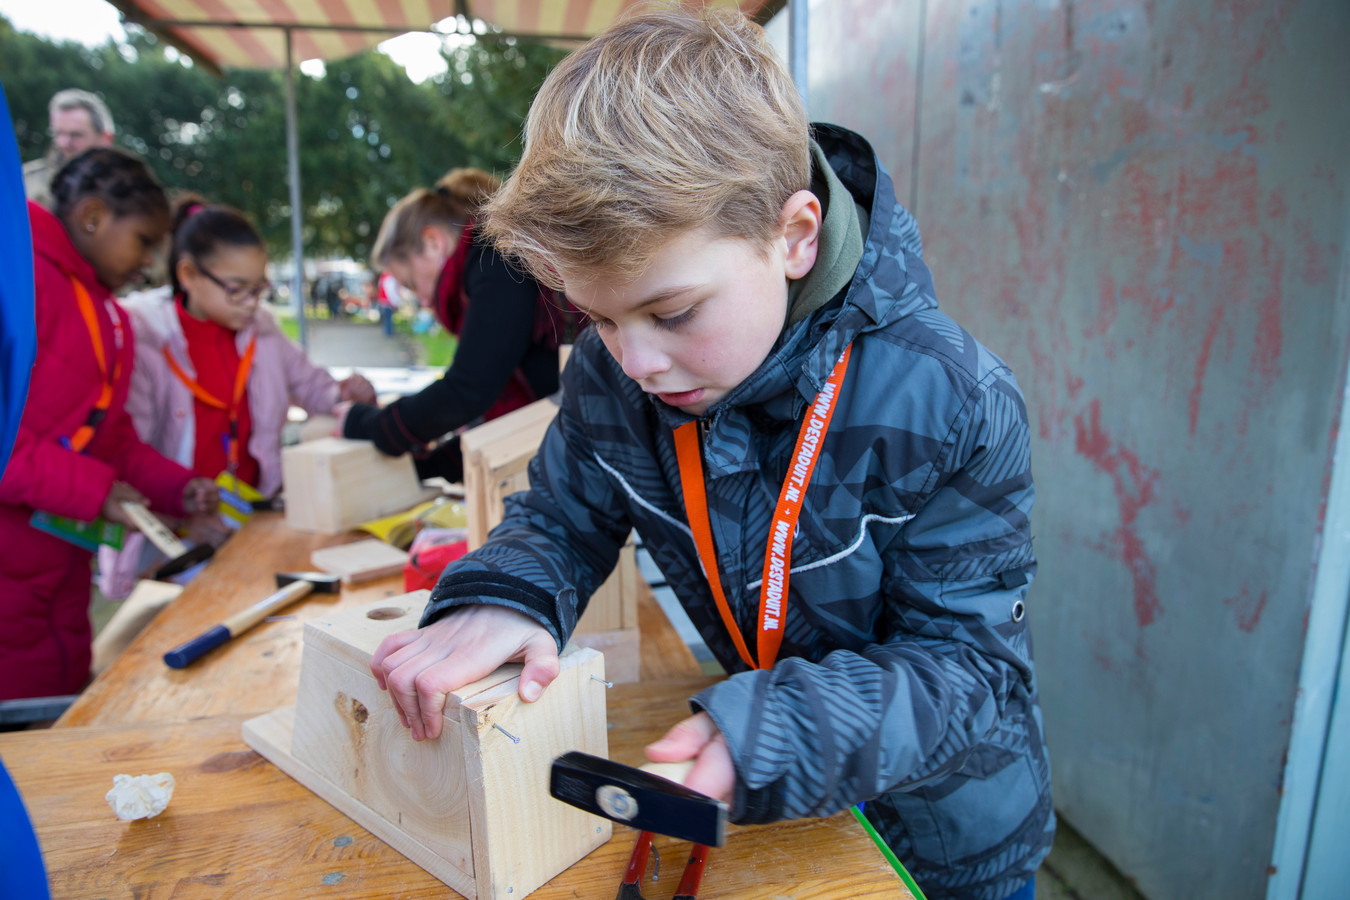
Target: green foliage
[(367, 134)]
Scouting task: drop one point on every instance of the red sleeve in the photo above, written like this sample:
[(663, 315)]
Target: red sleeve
[(44, 475)]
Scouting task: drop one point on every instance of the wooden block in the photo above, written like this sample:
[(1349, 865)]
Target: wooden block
[(471, 807), (622, 648), (496, 457), (360, 561), (147, 598), (613, 606), (334, 484)]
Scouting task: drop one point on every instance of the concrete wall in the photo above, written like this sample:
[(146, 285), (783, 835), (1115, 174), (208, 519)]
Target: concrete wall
[(1143, 207)]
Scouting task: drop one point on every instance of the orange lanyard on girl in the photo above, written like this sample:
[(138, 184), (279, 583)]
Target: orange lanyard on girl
[(232, 408), (778, 554), (85, 433)]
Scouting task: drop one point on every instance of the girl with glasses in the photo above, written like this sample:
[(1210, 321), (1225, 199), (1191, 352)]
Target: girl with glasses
[(215, 375)]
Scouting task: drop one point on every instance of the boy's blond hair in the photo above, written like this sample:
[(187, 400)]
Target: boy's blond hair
[(671, 120), (457, 198)]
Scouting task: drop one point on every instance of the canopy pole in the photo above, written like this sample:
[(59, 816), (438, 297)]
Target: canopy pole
[(797, 35), (293, 177)]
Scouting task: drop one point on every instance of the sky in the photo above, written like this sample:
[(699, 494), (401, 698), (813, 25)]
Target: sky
[(93, 21)]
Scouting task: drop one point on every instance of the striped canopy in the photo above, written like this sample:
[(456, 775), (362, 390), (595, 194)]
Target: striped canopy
[(249, 33)]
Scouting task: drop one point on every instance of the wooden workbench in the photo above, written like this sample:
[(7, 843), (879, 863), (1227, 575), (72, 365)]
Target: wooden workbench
[(239, 827)]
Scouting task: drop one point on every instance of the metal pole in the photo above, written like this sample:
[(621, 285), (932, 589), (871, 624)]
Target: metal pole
[(797, 36), (293, 176)]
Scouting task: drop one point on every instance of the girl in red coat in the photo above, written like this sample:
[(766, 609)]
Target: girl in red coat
[(76, 454)]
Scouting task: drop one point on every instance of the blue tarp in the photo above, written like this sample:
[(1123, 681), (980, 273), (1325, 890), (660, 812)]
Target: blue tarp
[(18, 337), (22, 873)]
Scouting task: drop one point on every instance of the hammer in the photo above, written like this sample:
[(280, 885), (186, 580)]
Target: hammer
[(293, 586), (651, 799), (180, 557)]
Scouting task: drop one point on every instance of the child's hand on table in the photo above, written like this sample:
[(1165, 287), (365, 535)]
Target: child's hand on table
[(699, 739), (418, 668), (120, 493), (201, 496)]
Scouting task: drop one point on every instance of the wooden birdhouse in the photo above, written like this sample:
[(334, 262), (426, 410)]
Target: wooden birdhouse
[(471, 807)]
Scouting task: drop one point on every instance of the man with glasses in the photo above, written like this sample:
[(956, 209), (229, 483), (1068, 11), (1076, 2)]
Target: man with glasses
[(77, 121)]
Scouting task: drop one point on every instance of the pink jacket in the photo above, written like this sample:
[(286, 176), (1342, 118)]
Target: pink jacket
[(161, 406)]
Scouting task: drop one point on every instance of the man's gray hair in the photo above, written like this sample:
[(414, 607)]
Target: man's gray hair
[(74, 98)]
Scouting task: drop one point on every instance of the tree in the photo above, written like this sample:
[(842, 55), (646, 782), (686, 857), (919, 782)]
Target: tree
[(367, 133)]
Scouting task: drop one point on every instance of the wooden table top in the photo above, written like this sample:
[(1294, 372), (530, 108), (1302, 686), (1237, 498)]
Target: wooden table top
[(239, 827)]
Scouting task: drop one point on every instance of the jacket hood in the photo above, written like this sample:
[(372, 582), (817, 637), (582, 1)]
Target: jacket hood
[(51, 242)]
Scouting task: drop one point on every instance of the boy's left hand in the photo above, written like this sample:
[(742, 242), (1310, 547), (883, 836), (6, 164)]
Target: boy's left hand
[(200, 496), (698, 738), (356, 389)]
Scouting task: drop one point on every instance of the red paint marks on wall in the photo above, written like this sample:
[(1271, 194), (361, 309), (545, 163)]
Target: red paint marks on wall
[(1106, 307), (1269, 326), (1313, 269), (1134, 485), (1247, 610), (1202, 364)]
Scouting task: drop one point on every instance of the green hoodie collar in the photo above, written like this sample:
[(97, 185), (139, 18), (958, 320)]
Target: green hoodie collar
[(841, 242)]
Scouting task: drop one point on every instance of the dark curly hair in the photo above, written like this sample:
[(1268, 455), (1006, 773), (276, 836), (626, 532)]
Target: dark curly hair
[(123, 182)]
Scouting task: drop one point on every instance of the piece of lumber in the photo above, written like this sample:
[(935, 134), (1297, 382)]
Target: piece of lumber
[(360, 561), (472, 807), (144, 602), (497, 455), (622, 649), (334, 484)]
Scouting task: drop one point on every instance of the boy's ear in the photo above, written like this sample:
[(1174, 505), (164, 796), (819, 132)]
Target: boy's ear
[(801, 220)]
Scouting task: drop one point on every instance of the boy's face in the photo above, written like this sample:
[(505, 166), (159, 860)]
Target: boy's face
[(702, 317)]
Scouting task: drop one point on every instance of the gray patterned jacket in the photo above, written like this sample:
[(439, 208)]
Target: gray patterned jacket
[(905, 675)]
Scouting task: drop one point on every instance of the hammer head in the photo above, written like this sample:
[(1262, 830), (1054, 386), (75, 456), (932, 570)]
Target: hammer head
[(184, 562), (322, 582), (633, 797)]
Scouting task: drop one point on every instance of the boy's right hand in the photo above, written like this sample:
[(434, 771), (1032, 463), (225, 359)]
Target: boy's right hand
[(419, 668), (120, 493)]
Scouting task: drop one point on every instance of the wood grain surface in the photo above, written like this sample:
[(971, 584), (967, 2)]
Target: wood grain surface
[(239, 827)]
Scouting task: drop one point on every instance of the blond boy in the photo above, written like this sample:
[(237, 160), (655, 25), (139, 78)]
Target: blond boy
[(833, 476)]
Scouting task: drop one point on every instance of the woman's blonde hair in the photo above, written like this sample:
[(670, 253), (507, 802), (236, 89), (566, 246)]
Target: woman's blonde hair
[(456, 199), (671, 120)]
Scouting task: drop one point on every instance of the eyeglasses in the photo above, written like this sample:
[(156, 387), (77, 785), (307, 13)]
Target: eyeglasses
[(238, 293)]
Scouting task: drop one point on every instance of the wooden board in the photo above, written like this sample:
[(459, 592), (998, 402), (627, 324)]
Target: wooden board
[(497, 455), (144, 602), (240, 827), (360, 561), (334, 484)]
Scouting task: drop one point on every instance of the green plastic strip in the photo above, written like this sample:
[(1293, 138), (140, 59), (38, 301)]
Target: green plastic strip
[(886, 852)]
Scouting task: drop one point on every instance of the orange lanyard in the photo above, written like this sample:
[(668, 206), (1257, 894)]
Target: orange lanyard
[(85, 433), (205, 396), (778, 554)]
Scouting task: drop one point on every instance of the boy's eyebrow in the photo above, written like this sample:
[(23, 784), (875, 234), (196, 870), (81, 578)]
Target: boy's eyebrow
[(665, 294)]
